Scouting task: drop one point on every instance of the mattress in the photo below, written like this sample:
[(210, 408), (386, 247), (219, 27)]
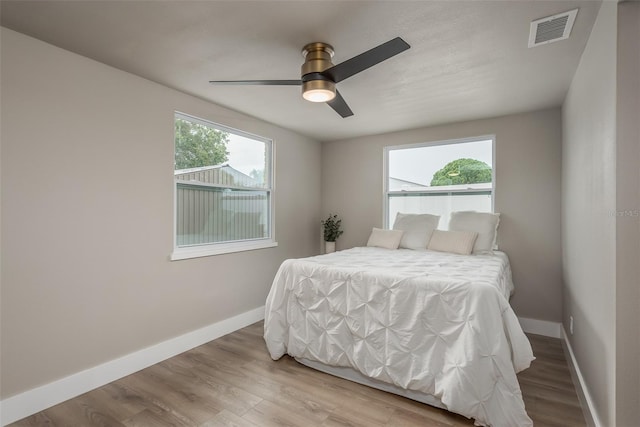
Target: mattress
[(428, 322)]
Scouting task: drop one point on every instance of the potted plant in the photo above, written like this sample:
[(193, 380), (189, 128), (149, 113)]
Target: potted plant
[(332, 231)]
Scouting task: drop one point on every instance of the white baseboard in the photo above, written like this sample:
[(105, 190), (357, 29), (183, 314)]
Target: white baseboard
[(581, 385), (35, 400), (541, 327)]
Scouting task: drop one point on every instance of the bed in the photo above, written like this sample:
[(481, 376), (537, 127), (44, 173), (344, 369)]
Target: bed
[(433, 326)]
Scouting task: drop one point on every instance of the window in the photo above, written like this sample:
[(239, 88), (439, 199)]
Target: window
[(439, 178), (223, 189)]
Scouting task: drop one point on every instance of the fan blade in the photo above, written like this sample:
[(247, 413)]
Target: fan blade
[(365, 60), (257, 82), (340, 106)]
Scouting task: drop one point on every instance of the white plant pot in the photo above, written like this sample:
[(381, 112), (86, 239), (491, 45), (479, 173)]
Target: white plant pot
[(329, 247)]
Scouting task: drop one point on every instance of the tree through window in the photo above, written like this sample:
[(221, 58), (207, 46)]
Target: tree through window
[(462, 171)]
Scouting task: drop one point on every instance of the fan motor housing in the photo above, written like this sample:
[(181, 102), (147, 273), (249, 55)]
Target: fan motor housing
[(317, 59)]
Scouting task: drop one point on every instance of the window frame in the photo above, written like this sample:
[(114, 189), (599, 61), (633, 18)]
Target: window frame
[(385, 174), (220, 248)]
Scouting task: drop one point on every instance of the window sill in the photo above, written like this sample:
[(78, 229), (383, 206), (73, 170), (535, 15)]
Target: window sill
[(219, 249)]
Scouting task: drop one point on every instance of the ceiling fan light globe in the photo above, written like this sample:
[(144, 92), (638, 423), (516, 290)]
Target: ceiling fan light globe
[(318, 90), (319, 95)]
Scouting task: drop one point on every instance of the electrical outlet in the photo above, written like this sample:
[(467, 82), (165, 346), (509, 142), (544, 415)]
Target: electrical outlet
[(571, 325)]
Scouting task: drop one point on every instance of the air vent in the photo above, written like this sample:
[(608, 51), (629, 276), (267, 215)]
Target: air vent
[(552, 28)]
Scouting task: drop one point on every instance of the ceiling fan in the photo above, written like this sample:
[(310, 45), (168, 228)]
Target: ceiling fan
[(319, 75)]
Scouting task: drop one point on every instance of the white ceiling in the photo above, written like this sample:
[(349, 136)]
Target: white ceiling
[(468, 59)]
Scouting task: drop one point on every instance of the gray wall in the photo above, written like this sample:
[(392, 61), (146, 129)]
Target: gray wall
[(601, 181), (528, 161), (628, 227), (589, 187), (85, 270)]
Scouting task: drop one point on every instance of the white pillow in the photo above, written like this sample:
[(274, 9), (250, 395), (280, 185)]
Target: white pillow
[(417, 229), (457, 242), (389, 239), (483, 223)]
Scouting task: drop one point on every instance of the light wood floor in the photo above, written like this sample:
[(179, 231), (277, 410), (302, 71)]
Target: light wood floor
[(232, 381)]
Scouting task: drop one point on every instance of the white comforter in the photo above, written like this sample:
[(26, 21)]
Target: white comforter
[(427, 321)]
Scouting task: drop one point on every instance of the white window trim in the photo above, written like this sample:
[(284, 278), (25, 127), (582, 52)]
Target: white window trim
[(211, 249), (187, 252), (385, 167)]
